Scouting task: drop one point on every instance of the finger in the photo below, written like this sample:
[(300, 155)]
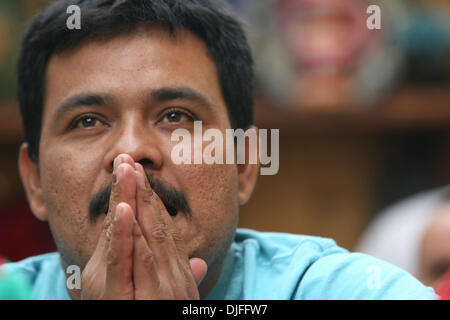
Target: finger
[(194, 270), (199, 269), (148, 199), (123, 190), (165, 242), (124, 183), (163, 238), (99, 254), (95, 269), (146, 196), (196, 273), (150, 214), (145, 277), (119, 262)]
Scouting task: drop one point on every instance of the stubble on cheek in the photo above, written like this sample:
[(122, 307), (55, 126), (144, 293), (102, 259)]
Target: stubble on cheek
[(63, 192), (212, 192)]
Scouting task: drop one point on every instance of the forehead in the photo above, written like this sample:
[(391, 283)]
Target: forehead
[(133, 65)]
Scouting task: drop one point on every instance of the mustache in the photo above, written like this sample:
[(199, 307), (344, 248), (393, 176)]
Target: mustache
[(173, 199)]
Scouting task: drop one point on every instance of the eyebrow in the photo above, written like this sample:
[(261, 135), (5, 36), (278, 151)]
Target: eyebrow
[(81, 100), (182, 93)]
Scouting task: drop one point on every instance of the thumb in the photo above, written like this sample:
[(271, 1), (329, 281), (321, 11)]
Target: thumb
[(199, 268)]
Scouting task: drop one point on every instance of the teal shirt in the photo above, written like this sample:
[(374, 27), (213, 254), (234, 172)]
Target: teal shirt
[(14, 287), (265, 265)]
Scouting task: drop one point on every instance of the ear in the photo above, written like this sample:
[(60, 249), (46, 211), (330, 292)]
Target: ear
[(29, 173), (248, 172)]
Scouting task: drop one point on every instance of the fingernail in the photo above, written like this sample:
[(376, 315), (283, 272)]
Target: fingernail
[(117, 161), (119, 173)]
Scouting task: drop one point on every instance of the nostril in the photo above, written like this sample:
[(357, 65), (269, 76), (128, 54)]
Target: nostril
[(146, 162)]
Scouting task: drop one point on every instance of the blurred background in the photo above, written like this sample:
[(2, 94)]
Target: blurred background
[(364, 115)]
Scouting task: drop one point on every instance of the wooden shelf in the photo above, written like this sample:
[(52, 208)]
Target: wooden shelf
[(409, 108)]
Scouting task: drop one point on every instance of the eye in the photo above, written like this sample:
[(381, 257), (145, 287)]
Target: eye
[(177, 116), (86, 122)]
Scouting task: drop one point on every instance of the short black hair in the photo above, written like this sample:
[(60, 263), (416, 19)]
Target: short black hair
[(210, 20)]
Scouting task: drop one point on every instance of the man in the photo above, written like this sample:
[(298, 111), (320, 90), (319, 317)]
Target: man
[(99, 106)]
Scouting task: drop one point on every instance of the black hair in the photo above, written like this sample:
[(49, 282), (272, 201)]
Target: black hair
[(48, 34)]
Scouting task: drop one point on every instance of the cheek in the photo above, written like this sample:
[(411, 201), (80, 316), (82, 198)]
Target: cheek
[(217, 188), (67, 180), (212, 194)]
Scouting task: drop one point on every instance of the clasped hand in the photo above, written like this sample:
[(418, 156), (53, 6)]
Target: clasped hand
[(140, 253)]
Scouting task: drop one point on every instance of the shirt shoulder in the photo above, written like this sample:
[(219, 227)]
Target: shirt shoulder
[(358, 276), (270, 265), (45, 275), (267, 265)]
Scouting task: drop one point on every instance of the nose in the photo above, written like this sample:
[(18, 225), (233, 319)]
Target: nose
[(139, 141)]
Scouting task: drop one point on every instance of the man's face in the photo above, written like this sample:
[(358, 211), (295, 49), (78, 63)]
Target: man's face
[(133, 104)]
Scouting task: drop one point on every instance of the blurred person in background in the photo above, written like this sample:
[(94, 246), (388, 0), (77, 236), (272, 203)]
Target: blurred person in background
[(413, 234), (321, 56)]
